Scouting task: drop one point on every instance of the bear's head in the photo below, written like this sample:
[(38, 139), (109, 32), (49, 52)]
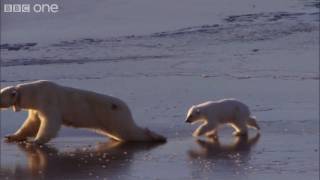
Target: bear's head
[(9, 97), (194, 114)]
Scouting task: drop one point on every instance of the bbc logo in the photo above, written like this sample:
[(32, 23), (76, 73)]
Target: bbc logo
[(16, 8), (27, 8)]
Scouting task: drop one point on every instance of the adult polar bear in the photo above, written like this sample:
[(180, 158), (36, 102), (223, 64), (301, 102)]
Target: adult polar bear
[(51, 105)]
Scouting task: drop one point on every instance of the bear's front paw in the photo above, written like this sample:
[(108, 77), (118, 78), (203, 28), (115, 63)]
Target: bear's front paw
[(195, 134), (37, 142), (14, 138), (33, 143)]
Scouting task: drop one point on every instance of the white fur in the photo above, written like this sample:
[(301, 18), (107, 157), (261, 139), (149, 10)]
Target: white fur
[(215, 113), (51, 105)]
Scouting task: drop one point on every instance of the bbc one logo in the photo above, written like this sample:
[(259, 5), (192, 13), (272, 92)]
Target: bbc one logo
[(28, 8)]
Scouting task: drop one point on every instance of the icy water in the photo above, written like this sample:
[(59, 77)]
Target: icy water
[(161, 58)]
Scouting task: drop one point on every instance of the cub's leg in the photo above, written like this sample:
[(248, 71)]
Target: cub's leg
[(213, 134), (50, 123), (29, 128), (240, 123), (203, 129), (241, 128)]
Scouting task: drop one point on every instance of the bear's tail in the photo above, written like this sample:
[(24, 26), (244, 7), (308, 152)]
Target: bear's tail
[(154, 137), (252, 122)]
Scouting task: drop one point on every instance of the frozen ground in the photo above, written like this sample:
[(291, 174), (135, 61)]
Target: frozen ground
[(263, 53)]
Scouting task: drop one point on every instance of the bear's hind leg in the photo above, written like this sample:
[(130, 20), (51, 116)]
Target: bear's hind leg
[(28, 129), (49, 127)]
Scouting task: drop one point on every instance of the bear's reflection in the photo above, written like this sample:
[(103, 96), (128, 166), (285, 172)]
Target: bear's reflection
[(107, 160), (222, 159)]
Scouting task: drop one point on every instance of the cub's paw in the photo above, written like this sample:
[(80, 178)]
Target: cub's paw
[(14, 138), (212, 136), (238, 133)]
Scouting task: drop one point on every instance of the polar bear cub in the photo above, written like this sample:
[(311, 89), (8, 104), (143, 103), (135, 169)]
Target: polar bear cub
[(215, 113), (51, 105)]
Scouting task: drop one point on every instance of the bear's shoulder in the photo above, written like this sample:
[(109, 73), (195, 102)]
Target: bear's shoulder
[(39, 83)]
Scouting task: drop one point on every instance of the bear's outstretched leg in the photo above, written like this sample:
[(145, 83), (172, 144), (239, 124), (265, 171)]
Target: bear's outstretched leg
[(202, 129), (29, 128), (49, 127)]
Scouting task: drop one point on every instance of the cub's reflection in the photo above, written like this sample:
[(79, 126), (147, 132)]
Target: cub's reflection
[(213, 148), (227, 161), (107, 160)]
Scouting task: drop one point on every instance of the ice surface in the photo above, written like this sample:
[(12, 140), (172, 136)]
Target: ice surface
[(161, 57)]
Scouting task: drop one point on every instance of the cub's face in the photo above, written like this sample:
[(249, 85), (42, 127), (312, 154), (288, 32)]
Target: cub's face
[(8, 97), (194, 114)]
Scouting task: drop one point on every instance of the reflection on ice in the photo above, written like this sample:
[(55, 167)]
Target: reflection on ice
[(222, 159), (112, 159), (213, 148)]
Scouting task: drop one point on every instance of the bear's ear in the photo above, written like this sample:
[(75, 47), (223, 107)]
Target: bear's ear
[(14, 93)]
